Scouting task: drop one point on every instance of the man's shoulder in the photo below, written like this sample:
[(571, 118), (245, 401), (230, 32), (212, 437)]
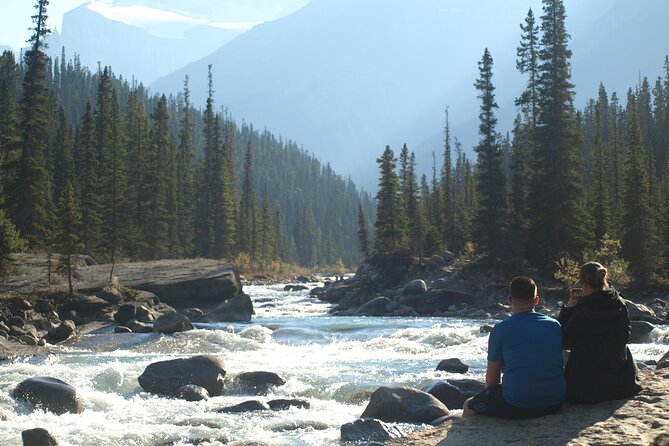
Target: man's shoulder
[(525, 318)]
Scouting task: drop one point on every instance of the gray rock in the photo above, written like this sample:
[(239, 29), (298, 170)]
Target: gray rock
[(440, 300), (404, 405), (369, 429), (29, 339), (125, 313), (453, 365), (49, 394), (485, 329), (196, 282), (172, 323), (453, 393), (246, 406), (641, 332), (191, 392), (140, 327), (298, 425), (375, 307), (258, 383), (237, 309), (415, 287), (122, 329), (193, 313), (143, 314), (62, 332), (663, 363), (285, 404), (166, 377), (639, 312), (38, 437)]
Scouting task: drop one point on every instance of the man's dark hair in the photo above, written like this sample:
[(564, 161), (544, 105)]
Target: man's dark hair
[(523, 288)]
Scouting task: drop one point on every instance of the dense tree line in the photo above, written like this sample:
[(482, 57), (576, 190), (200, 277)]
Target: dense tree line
[(151, 177), (567, 183)]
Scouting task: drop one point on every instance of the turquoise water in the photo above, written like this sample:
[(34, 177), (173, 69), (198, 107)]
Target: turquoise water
[(334, 362)]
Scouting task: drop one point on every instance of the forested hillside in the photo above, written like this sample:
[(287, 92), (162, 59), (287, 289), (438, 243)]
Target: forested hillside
[(564, 186), (92, 162)]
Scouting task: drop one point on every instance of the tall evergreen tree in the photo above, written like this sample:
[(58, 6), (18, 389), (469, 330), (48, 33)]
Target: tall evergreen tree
[(247, 204), (491, 185), (448, 223), (63, 159), (266, 234), (527, 62), (10, 135), (362, 232), (88, 183), (599, 201), (67, 240), (390, 225), (34, 200), (185, 179), (556, 195), (639, 240)]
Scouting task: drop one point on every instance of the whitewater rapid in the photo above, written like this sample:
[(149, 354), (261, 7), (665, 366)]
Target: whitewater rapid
[(333, 362)]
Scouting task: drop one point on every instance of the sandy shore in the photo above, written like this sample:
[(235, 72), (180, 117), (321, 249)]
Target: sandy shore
[(638, 421)]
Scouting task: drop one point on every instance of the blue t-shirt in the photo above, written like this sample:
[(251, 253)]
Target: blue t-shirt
[(529, 345)]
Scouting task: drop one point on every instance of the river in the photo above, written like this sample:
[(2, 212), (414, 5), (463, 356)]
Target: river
[(334, 362)]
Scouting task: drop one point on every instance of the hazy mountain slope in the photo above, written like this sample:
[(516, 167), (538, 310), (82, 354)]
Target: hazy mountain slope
[(131, 50), (344, 78)]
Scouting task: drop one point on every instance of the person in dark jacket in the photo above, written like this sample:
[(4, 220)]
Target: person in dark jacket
[(596, 328)]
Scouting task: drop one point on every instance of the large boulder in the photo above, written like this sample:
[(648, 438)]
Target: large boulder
[(191, 392), (641, 332), (246, 406), (166, 377), (180, 283), (38, 437), (415, 287), (285, 404), (237, 309), (62, 331), (639, 312), (453, 393), (258, 383), (172, 323), (369, 429), (125, 313), (49, 394), (375, 307), (404, 405)]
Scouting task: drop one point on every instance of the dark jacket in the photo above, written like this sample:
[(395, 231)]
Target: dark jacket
[(600, 366)]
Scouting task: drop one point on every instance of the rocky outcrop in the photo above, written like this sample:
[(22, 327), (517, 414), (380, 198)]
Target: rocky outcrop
[(246, 406), (180, 283), (166, 377), (191, 392), (49, 394), (404, 405), (641, 332), (285, 404), (369, 430)]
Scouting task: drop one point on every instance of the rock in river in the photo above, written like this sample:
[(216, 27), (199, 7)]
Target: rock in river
[(404, 405), (49, 394), (166, 377)]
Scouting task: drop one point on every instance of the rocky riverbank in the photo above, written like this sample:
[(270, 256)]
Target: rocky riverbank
[(444, 286), (163, 296), (642, 420)]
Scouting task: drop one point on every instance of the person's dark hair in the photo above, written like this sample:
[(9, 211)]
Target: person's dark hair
[(595, 275), (523, 288)]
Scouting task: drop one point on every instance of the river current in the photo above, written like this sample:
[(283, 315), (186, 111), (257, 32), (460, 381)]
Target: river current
[(333, 362)]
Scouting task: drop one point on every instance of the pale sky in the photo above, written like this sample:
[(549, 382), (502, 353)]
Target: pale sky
[(15, 14), (15, 19)]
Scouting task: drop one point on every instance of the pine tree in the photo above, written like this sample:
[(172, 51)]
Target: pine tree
[(34, 200), (247, 204), (599, 202), (615, 161), (639, 240), (69, 222), (491, 217), (362, 232), (556, 196), (88, 184), (63, 159), (448, 223), (10, 135), (390, 234), (184, 172), (156, 181), (10, 241), (266, 234), (527, 62)]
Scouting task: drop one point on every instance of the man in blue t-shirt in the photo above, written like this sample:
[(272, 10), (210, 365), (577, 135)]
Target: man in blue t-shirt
[(525, 351)]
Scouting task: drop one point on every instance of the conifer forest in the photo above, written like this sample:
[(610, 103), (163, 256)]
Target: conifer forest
[(94, 163)]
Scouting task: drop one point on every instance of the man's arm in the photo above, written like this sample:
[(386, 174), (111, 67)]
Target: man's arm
[(493, 374)]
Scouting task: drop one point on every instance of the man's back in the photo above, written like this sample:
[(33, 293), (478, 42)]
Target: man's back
[(529, 345)]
